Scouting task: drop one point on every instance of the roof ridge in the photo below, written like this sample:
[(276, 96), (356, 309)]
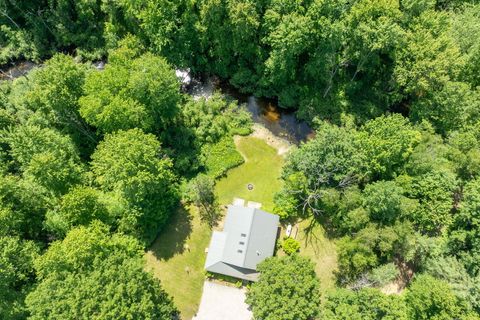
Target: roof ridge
[(247, 242)]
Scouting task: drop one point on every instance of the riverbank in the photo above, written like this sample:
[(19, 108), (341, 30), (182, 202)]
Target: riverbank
[(280, 144)]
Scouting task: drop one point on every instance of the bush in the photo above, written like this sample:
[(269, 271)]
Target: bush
[(221, 156), (290, 246), (383, 275)]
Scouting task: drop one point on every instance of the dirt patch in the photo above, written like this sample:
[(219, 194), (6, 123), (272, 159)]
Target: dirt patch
[(396, 287), (281, 145)]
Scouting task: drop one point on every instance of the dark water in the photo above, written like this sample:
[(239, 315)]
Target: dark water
[(281, 122), (16, 71)]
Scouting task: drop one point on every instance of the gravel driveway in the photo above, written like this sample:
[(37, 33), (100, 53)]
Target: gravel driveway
[(220, 302)]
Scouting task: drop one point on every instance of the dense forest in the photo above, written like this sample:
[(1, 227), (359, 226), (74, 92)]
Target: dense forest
[(93, 163)]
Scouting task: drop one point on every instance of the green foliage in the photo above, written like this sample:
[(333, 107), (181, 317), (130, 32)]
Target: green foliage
[(132, 92), (215, 117), (287, 289), (451, 270), (287, 204), (93, 274), (290, 246), (364, 304), (16, 275), (129, 164), (383, 274), (45, 156), (429, 298), (384, 201), (80, 206), (22, 208), (201, 192), (387, 141), (466, 230), (373, 246), (330, 159), (221, 156), (435, 191), (16, 44), (357, 255)]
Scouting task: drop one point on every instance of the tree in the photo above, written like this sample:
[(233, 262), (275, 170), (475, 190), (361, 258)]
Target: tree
[(290, 246), (465, 235), (23, 205), (383, 200), (452, 271), (201, 191), (383, 274), (134, 91), (364, 304), (80, 206), (435, 192), (16, 275), (429, 58), (357, 255), (92, 274), (454, 106), (330, 159), (129, 164), (432, 299), (287, 289), (45, 156), (387, 142), (54, 90)]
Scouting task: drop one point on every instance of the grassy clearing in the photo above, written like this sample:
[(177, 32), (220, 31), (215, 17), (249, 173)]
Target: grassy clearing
[(262, 168), (178, 255), (177, 258), (320, 249)]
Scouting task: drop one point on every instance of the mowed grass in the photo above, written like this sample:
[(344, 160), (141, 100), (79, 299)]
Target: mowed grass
[(262, 168), (177, 258), (178, 254), (322, 251)]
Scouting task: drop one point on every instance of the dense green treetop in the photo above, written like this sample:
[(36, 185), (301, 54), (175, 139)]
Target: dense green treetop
[(94, 275), (139, 91), (287, 289), (129, 164)]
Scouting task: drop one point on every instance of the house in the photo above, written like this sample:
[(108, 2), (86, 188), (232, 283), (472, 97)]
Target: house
[(247, 239)]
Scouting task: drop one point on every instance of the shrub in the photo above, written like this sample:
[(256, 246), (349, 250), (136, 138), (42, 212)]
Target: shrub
[(221, 156), (290, 246)]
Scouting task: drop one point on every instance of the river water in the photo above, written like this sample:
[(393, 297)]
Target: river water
[(16, 71), (281, 122)]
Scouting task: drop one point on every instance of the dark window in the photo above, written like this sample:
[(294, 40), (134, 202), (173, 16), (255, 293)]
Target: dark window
[(241, 242), (239, 251), (243, 235)]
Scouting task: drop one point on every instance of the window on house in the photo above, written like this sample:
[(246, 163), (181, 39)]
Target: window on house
[(243, 235), (239, 251)]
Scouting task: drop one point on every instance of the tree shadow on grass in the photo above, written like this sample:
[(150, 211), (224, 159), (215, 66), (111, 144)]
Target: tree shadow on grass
[(314, 227), (172, 239)]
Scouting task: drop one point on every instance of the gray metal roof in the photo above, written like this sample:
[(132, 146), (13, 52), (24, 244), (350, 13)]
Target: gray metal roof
[(248, 238)]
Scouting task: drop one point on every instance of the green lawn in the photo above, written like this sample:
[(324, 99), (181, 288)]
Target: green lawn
[(262, 168), (320, 249), (178, 255), (177, 258)]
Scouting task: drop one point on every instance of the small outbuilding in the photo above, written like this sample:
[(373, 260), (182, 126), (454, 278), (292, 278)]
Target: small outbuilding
[(248, 238)]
